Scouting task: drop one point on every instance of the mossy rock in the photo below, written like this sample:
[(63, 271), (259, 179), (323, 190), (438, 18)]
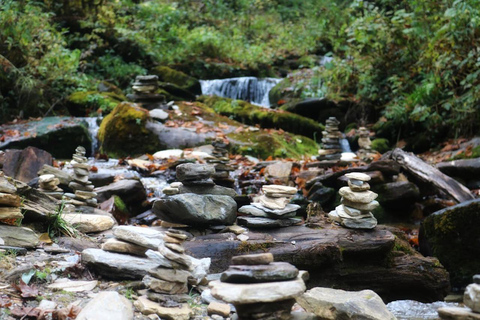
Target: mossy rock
[(178, 78), (84, 103), (267, 118), (453, 236), (175, 92), (123, 132), (381, 145), (282, 93)]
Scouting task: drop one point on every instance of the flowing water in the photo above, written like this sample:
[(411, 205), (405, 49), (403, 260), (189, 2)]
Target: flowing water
[(93, 126), (414, 310), (254, 90)]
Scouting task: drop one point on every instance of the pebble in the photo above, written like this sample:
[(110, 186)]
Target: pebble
[(253, 259)]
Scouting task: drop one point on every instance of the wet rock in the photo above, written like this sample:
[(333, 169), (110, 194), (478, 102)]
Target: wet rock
[(107, 305), (18, 236), (88, 223), (145, 237), (132, 192), (275, 271), (73, 286), (197, 210), (215, 190), (24, 164), (258, 222), (334, 304), (466, 169), (398, 195), (192, 172), (452, 236)]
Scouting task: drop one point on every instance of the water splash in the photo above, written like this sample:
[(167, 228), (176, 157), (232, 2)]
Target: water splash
[(414, 310), (250, 89)]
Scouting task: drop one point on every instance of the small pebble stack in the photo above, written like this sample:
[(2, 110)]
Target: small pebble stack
[(332, 150), (259, 288), (221, 164), (48, 184), (365, 145), (357, 203), (272, 209), (82, 187), (9, 201), (145, 88)]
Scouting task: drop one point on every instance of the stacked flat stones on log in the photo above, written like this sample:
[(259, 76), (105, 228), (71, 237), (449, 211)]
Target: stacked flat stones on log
[(80, 184), (271, 210), (144, 90), (365, 151), (48, 184), (357, 203), (258, 287), (332, 150), (196, 200), (9, 201), (220, 161), (471, 299)]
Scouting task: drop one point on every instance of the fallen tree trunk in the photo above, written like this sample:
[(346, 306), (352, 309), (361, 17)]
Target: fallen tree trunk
[(430, 179)]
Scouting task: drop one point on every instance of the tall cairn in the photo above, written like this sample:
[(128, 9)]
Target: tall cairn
[(82, 187), (357, 203), (365, 145), (144, 90), (260, 288), (332, 150)]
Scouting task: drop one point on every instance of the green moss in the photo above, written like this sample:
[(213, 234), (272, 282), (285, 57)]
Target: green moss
[(249, 247), (123, 132), (475, 154), (250, 114), (381, 145), (83, 103), (178, 78), (119, 204)]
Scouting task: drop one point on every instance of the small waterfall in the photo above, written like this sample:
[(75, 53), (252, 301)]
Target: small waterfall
[(250, 89), (345, 145), (93, 130)]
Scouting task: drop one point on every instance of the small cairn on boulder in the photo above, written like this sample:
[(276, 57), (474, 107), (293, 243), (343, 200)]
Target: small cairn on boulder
[(258, 287), (48, 184), (145, 88), (272, 209), (332, 150), (357, 203), (196, 200), (80, 184), (221, 164), (9, 201), (365, 145), (471, 299)]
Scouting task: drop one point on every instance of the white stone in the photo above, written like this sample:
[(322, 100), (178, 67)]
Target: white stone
[(357, 197), (274, 188), (166, 154), (471, 297), (158, 114), (107, 305), (145, 237), (273, 203), (73, 286), (358, 176), (89, 222)]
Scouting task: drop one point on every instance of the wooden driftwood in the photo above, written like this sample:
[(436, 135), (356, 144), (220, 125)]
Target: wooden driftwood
[(428, 177)]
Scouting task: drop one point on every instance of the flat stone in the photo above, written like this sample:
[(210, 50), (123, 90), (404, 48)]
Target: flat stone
[(85, 194), (275, 271), (169, 239), (87, 223), (81, 166), (145, 237), (194, 171), (471, 297), (366, 223), (221, 309), (170, 191), (335, 304), (202, 189), (361, 206), (73, 285), (175, 247), (253, 259), (356, 187), (10, 213), (277, 310), (181, 259), (357, 197), (358, 176), (107, 305), (77, 186), (158, 114), (289, 208), (120, 266), (115, 245), (352, 212), (273, 203), (148, 307), (162, 298), (6, 186), (257, 292), (167, 224), (45, 178), (342, 213), (203, 183), (257, 222), (18, 236), (177, 234), (258, 210), (167, 274), (163, 286), (80, 172), (235, 229), (166, 154), (279, 169), (457, 313)]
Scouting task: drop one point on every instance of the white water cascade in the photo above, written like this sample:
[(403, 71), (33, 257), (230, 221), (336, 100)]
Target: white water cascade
[(254, 90), (93, 130)]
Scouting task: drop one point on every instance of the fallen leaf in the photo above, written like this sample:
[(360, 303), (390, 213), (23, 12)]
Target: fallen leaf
[(25, 290)]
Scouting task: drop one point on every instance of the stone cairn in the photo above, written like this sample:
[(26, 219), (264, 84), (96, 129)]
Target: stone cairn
[(145, 88), (365, 145), (272, 209), (357, 203), (220, 161), (260, 288), (332, 150), (471, 299), (9, 201), (82, 187), (48, 184)]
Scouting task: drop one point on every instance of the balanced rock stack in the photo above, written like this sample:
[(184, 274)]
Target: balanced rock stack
[(48, 184), (357, 203), (195, 200), (80, 184), (365, 145), (332, 150), (221, 164), (471, 299), (145, 88), (272, 209), (9, 201), (258, 287)]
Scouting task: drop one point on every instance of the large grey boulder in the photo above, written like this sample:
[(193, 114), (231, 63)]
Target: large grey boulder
[(197, 210), (334, 304)]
